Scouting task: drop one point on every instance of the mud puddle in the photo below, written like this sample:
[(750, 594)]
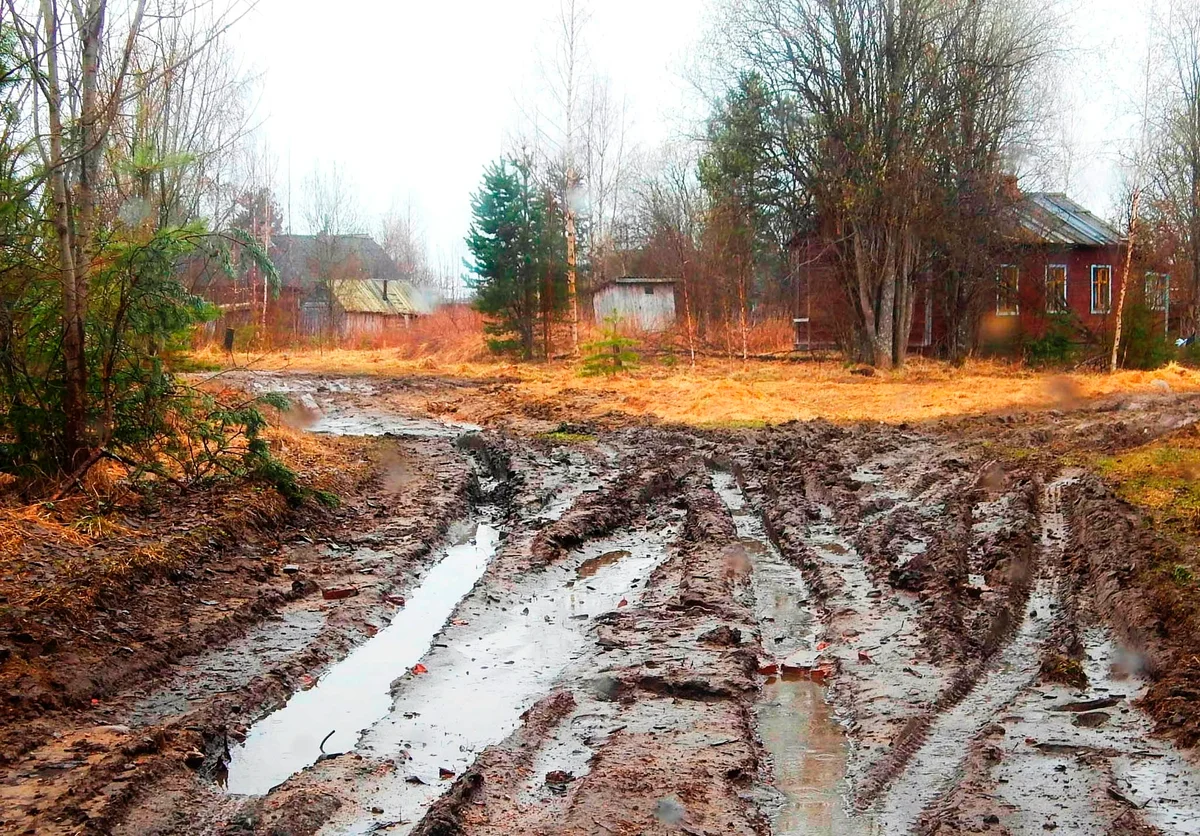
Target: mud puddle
[(795, 721), (331, 716), (504, 650), (1057, 760), (317, 412)]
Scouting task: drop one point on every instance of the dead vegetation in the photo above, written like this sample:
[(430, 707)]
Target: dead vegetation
[(732, 393)]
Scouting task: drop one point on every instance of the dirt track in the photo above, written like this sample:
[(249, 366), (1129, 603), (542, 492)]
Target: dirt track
[(635, 630)]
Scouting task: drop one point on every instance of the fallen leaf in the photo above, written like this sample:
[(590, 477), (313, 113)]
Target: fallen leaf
[(419, 668)]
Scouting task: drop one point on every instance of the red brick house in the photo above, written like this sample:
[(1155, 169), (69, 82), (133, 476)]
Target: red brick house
[(1063, 263)]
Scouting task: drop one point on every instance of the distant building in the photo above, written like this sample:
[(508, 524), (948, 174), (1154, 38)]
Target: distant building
[(1061, 261), (644, 303), (369, 293), (358, 308)]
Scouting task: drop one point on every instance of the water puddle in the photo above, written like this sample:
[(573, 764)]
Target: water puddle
[(505, 648), (795, 722), (320, 414), (354, 693)]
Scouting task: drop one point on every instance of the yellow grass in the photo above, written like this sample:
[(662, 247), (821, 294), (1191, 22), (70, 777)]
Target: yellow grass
[(725, 392)]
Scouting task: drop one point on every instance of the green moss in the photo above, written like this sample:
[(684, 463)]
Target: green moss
[(560, 437)]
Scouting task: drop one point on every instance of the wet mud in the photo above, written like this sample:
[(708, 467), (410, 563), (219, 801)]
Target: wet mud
[(806, 629)]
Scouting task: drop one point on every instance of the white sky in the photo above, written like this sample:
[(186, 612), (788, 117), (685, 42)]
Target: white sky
[(415, 97)]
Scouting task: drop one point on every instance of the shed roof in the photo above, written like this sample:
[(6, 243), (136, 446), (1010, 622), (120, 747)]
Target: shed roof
[(645, 280), (366, 296), (1053, 218), (298, 257)]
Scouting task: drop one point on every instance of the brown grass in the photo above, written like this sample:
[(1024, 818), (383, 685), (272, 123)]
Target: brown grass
[(61, 558), (756, 392)]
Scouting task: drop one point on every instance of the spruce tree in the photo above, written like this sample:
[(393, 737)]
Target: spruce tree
[(516, 243)]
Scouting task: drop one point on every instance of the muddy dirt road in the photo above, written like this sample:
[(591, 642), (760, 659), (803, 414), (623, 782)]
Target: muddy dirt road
[(549, 629)]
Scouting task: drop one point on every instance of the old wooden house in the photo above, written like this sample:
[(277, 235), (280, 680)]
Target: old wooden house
[(645, 304), (332, 286), (1060, 264)]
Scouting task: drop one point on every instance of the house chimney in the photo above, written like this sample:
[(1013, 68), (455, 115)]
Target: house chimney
[(385, 290)]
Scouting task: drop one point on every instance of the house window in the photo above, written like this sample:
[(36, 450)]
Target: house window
[(1056, 288), (1101, 288), (649, 290), (1007, 283), (1158, 291)]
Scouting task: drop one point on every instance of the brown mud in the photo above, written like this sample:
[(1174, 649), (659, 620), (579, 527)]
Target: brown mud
[(520, 627)]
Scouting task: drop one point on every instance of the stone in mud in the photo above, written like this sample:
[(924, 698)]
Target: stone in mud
[(669, 811), (604, 688), (291, 569), (558, 779), (1092, 719), (723, 636), (802, 661), (194, 758), (338, 593)]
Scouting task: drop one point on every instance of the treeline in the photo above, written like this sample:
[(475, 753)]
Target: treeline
[(884, 132), (879, 140)]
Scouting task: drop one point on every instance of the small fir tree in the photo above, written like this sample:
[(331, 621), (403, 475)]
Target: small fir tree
[(610, 355)]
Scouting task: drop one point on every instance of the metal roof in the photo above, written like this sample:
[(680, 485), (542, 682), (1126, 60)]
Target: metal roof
[(366, 296), (644, 280), (1053, 218)]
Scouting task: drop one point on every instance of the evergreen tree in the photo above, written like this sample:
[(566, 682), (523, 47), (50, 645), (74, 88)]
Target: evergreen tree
[(516, 242)]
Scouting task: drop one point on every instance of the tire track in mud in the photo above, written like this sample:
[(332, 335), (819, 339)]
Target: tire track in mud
[(930, 752)]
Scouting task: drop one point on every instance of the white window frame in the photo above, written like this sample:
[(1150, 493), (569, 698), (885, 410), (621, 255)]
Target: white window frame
[(1016, 291), (1166, 290), (1108, 308), (1050, 303)]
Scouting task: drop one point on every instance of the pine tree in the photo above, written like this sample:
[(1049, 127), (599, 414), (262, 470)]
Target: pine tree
[(516, 242)]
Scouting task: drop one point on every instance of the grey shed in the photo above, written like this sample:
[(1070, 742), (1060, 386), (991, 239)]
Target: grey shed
[(644, 303)]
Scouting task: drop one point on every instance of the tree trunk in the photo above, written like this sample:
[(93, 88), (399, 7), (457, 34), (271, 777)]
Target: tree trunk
[(74, 360), (1133, 219)]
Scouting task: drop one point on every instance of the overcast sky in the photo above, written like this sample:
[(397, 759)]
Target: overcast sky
[(415, 97)]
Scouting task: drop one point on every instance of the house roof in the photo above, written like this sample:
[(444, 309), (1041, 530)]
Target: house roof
[(1053, 218), (644, 280), (299, 257), (366, 296)]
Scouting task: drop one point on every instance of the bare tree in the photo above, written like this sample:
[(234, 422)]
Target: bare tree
[(402, 238), (1173, 166), (332, 214), (877, 93)]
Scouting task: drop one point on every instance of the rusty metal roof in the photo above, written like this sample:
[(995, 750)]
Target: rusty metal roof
[(1053, 218), (366, 296)]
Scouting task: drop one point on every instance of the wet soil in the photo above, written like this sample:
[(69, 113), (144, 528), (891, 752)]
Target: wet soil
[(634, 629)]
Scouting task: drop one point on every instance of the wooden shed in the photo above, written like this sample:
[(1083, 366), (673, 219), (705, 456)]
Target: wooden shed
[(643, 303), (358, 308)]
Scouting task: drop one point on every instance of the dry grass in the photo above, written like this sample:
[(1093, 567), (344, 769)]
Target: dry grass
[(732, 392), (59, 558)]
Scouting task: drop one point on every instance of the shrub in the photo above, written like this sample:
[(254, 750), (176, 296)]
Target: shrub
[(611, 354), (1143, 342), (1057, 346)]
